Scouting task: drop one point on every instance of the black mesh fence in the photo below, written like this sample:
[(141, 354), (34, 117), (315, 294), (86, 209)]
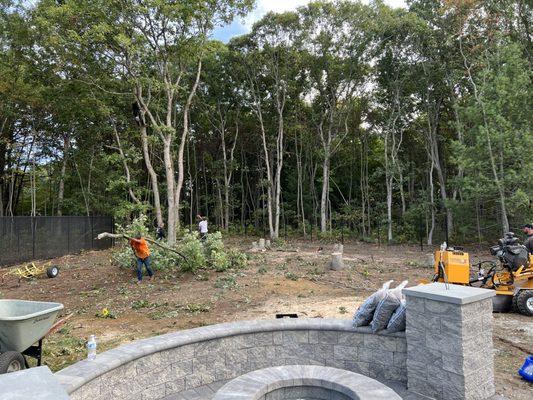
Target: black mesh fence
[(29, 238)]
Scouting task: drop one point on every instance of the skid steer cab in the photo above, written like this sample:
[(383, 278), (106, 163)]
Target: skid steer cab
[(511, 276)]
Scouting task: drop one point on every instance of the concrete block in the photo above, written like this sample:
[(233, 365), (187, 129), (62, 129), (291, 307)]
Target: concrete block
[(350, 338), (290, 337), (376, 356), (154, 392), (34, 383), (346, 353)]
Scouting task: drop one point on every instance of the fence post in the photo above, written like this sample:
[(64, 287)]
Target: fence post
[(68, 234), (33, 237)]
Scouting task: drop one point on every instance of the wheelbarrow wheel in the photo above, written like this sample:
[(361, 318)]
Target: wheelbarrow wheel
[(11, 361), (52, 271)]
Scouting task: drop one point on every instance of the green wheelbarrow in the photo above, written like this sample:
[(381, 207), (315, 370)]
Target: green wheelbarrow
[(23, 324)]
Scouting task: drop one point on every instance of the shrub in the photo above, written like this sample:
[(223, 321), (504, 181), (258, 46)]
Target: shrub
[(219, 261), (237, 259), (191, 247), (214, 244)]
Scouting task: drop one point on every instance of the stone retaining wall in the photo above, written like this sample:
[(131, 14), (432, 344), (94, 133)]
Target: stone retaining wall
[(165, 365)]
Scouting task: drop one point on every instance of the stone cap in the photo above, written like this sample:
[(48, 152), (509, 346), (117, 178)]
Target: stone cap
[(84, 371), (256, 384), (35, 383), (455, 294)]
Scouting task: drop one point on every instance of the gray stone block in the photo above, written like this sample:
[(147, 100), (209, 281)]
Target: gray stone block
[(376, 356), (290, 337), (345, 353), (350, 338), (34, 383), (154, 392)]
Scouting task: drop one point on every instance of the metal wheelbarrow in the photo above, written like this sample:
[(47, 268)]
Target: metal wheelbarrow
[(22, 324)]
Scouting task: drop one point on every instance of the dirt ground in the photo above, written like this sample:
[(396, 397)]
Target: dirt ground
[(289, 278)]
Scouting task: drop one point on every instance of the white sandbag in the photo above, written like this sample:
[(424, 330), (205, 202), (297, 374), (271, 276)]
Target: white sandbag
[(397, 321), (365, 312), (386, 307)]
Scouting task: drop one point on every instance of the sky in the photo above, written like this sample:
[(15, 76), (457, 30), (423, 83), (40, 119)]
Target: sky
[(240, 27)]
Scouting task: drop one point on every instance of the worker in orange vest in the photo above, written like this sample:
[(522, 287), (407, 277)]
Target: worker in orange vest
[(142, 252)]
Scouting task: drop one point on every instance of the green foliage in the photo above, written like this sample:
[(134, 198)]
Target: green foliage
[(220, 261), (226, 282), (191, 247), (238, 259), (292, 276), (210, 254), (213, 244)]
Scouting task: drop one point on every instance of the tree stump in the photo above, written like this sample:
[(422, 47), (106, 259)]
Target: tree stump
[(336, 263)]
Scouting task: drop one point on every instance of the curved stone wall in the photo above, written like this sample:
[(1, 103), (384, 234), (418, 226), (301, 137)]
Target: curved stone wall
[(163, 366), (304, 382)]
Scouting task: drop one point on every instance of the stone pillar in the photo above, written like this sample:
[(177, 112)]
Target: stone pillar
[(449, 341)]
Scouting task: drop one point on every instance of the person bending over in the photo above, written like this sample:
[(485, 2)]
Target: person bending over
[(142, 252), (160, 232)]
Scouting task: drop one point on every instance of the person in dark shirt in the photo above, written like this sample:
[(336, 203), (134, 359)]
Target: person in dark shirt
[(160, 232), (528, 230)]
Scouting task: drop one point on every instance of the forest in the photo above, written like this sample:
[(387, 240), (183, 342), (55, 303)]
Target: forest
[(342, 117)]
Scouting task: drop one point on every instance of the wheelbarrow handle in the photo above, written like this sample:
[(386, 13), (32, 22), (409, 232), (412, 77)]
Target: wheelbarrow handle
[(57, 326)]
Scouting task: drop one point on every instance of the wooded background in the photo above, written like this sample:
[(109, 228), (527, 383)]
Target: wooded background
[(340, 115)]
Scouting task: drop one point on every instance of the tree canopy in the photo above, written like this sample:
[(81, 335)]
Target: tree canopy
[(403, 124)]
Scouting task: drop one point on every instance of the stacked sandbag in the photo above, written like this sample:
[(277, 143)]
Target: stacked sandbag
[(386, 308), (397, 321), (364, 314)]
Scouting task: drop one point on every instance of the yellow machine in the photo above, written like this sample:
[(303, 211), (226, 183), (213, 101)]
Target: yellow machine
[(511, 276)]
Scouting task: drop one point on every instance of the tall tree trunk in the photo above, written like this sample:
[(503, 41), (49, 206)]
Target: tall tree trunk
[(325, 188), (184, 135), (152, 174), (431, 205), (171, 199), (125, 165), (61, 192)]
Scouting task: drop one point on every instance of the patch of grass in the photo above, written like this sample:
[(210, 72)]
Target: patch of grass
[(138, 304), (202, 277), (282, 267), (163, 314), (291, 276), (196, 308), (262, 271), (342, 310), (106, 313), (226, 282)]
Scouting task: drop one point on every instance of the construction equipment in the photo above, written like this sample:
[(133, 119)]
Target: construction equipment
[(31, 271), (511, 276)]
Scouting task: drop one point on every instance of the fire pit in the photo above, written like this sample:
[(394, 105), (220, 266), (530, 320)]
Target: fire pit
[(303, 382)]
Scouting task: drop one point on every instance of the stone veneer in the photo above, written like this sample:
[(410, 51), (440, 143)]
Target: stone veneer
[(449, 342), (163, 366)]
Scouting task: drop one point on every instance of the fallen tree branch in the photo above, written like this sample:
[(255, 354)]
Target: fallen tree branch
[(122, 236)]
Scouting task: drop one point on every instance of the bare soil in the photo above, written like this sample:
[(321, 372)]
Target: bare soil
[(289, 278)]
